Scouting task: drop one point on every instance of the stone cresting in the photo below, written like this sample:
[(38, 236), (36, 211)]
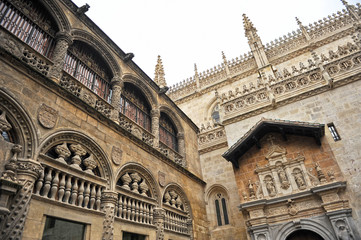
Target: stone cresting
[(275, 50)]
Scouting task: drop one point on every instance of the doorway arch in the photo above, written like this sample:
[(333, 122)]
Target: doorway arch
[(304, 235)]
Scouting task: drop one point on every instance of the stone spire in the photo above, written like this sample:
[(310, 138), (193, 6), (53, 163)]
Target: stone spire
[(351, 10), (255, 43), (303, 29), (225, 62), (196, 76), (159, 74)]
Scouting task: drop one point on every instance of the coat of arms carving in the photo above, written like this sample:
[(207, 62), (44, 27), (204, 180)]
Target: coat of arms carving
[(47, 116)]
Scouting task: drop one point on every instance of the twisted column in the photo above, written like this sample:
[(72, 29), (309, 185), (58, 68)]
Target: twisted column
[(63, 41), (155, 114), (117, 86), (109, 200)]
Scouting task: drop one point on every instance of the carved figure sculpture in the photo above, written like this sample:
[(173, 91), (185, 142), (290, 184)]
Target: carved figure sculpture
[(259, 193), (268, 180), (299, 179), (251, 190), (283, 178)]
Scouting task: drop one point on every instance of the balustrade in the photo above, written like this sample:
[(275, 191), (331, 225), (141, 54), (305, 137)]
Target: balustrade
[(67, 188), (135, 209), (176, 222)]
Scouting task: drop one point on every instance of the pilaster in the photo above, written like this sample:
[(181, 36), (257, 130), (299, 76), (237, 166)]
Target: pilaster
[(158, 218), (109, 200)]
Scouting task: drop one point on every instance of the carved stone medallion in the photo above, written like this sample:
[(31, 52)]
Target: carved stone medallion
[(161, 178), (47, 116), (117, 155)]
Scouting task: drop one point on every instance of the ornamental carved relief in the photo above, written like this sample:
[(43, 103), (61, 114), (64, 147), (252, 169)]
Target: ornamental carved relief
[(47, 116)]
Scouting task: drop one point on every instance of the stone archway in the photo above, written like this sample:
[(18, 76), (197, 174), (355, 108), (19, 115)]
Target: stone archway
[(304, 235)]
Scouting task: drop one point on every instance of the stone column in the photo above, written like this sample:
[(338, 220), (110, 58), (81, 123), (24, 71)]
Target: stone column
[(158, 218), (109, 200), (117, 86), (12, 225), (63, 41), (155, 115), (181, 147)]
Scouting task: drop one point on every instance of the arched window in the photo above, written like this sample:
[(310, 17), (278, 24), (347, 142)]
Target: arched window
[(134, 105), (167, 132), (87, 66), (215, 114), (221, 210), (29, 22)]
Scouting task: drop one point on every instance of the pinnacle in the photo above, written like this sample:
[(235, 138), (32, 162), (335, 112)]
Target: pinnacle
[(248, 25), (159, 73)]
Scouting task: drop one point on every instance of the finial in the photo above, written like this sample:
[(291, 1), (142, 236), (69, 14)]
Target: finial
[(344, 2), (195, 69), (248, 25), (303, 29), (159, 73)]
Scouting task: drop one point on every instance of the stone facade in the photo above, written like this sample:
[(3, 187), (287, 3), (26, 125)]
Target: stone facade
[(90, 144), (310, 75), (70, 153)]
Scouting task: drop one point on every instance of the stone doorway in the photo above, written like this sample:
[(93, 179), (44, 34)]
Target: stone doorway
[(304, 235)]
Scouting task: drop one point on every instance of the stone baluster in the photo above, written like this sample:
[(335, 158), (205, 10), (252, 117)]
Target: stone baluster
[(98, 198), (151, 208), (74, 194), (141, 213), (47, 182), (67, 189), (64, 40), (133, 210), (128, 206), (80, 193), (39, 183), (92, 196), (117, 86), (146, 213), (54, 186), (120, 206), (61, 187), (86, 195), (155, 114), (109, 200), (190, 227), (159, 222)]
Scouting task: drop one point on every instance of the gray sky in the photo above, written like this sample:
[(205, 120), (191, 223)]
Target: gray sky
[(184, 32)]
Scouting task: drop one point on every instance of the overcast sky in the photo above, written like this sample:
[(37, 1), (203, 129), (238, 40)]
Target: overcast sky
[(184, 32)]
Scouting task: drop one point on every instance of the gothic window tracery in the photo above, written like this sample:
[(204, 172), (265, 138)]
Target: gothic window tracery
[(134, 105), (29, 22), (86, 65), (215, 114), (168, 132), (221, 209)]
